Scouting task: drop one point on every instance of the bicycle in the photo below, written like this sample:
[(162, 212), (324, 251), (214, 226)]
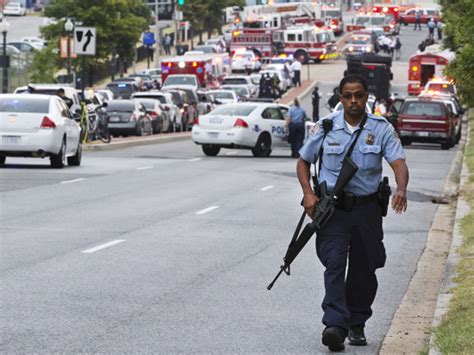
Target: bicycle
[(94, 127)]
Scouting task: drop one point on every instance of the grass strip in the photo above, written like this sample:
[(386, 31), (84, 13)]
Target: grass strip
[(455, 334)]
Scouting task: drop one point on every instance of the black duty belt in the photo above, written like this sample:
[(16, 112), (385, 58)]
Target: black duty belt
[(367, 198)]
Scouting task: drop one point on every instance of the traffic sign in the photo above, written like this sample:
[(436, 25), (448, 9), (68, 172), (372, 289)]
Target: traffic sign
[(149, 38), (84, 40)]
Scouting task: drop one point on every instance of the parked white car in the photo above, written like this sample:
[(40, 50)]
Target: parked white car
[(224, 96), (14, 9), (256, 126), (242, 61), (39, 126), (35, 42), (218, 44), (166, 101), (240, 80)]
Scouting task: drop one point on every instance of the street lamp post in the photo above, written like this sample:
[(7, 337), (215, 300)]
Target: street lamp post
[(69, 27), (4, 25)]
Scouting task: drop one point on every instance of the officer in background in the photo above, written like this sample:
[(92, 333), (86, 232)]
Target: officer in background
[(297, 118), (315, 97), (356, 230)]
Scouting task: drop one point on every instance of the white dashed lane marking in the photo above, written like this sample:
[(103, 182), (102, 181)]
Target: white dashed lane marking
[(195, 159), (71, 181), (145, 167), (206, 210), (103, 246), (265, 188)]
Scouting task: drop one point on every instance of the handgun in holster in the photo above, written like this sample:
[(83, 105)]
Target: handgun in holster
[(383, 193)]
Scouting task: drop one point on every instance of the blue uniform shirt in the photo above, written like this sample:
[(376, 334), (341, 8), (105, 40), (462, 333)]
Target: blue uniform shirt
[(378, 139), (296, 114)]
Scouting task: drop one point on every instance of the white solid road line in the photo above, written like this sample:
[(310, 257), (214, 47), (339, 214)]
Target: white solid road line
[(209, 209), (145, 167), (265, 188), (71, 181), (195, 159), (103, 246)]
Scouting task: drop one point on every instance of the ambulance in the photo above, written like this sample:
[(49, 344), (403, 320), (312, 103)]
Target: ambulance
[(208, 68), (425, 66)]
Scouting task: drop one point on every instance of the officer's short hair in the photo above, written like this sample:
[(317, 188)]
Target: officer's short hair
[(352, 78)]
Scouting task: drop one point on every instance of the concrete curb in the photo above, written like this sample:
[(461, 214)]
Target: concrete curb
[(162, 138), (411, 325), (445, 294), (158, 139)]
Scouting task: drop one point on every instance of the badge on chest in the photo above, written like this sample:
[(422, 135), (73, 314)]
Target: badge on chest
[(369, 139)]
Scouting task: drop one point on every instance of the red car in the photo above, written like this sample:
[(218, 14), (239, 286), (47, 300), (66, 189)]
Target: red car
[(427, 120), (426, 14)]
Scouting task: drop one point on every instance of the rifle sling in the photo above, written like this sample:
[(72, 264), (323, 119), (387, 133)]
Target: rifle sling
[(361, 127)]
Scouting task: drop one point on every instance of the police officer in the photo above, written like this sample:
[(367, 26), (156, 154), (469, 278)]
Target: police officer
[(315, 96), (354, 232)]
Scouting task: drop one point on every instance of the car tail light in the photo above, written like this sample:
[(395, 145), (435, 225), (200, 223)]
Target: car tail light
[(133, 117), (47, 123), (153, 114), (241, 123), (196, 121)]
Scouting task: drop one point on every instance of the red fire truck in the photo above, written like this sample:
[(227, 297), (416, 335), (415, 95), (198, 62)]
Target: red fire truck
[(208, 68), (307, 42), (369, 20), (332, 17), (425, 66)]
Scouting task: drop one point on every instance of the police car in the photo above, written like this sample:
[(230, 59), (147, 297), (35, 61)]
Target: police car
[(257, 126)]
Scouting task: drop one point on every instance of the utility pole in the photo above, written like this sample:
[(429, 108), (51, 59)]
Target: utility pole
[(157, 32)]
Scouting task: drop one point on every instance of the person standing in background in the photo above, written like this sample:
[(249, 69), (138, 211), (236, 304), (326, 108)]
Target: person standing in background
[(296, 70), (315, 96), (439, 28), (417, 20)]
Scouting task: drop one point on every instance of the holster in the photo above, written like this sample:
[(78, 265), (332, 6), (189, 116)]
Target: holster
[(383, 195)]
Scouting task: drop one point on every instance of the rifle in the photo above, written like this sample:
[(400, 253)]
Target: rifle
[(323, 212)]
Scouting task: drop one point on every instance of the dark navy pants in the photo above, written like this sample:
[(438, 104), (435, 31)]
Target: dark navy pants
[(356, 237)]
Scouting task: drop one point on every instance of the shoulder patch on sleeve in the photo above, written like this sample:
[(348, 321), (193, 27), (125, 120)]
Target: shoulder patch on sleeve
[(315, 129)]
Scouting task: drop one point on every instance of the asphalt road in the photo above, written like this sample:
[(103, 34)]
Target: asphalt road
[(160, 249), (202, 238)]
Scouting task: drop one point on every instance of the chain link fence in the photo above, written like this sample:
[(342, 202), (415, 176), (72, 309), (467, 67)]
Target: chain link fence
[(18, 71)]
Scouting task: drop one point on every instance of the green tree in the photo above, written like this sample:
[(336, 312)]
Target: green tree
[(207, 15), (44, 67), (119, 25), (459, 36)]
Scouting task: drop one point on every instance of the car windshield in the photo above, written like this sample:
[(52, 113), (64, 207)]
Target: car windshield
[(377, 21), (121, 89), (234, 110), (180, 80), (205, 49), (24, 105), (121, 106), (149, 105), (241, 91), (362, 20), (441, 87), (222, 95), (161, 98), (234, 81), (330, 13), (242, 56), (359, 39), (419, 108)]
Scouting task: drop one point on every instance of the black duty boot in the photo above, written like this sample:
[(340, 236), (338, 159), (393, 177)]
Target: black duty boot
[(333, 338), (357, 336)]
